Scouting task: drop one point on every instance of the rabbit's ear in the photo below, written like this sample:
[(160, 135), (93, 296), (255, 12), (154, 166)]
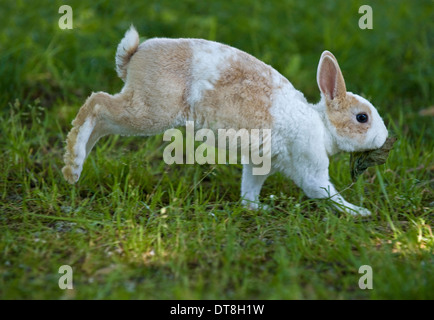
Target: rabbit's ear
[(329, 77), (328, 53)]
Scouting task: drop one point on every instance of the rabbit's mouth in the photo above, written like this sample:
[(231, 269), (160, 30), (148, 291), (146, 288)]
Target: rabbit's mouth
[(360, 161)]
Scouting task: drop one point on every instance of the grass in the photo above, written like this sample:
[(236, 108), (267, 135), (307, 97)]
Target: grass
[(136, 228)]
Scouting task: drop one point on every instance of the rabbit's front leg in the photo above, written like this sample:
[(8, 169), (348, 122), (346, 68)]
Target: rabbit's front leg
[(315, 182), (323, 188), (320, 187)]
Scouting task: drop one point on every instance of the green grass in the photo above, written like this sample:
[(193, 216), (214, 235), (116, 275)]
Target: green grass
[(134, 227)]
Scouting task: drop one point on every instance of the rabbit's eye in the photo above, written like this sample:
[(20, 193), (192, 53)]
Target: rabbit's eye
[(362, 117)]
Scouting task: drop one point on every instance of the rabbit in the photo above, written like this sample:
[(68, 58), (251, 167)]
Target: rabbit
[(171, 81)]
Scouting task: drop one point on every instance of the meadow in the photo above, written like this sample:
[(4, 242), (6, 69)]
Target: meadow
[(134, 227)]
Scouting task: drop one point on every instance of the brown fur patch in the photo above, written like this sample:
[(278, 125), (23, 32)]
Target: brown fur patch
[(342, 115), (69, 156), (158, 81), (241, 97)]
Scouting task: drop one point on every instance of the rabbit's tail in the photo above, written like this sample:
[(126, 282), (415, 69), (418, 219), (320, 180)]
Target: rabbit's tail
[(126, 49)]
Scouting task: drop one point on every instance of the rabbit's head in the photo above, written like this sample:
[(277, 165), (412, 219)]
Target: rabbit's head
[(353, 121)]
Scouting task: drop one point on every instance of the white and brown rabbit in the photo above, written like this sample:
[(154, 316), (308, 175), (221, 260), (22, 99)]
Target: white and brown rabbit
[(171, 81)]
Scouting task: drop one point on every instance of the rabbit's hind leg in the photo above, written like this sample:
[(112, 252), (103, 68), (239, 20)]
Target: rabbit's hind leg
[(100, 115)]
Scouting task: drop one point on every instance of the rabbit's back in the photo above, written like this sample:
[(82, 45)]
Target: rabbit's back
[(215, 85)]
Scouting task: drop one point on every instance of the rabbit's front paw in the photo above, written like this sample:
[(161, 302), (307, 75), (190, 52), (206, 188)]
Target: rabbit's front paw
[(358, 211)]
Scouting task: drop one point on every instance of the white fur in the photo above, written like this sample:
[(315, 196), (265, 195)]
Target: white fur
[(80, 147), (302, 141), (208, 58), (301, 145)]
